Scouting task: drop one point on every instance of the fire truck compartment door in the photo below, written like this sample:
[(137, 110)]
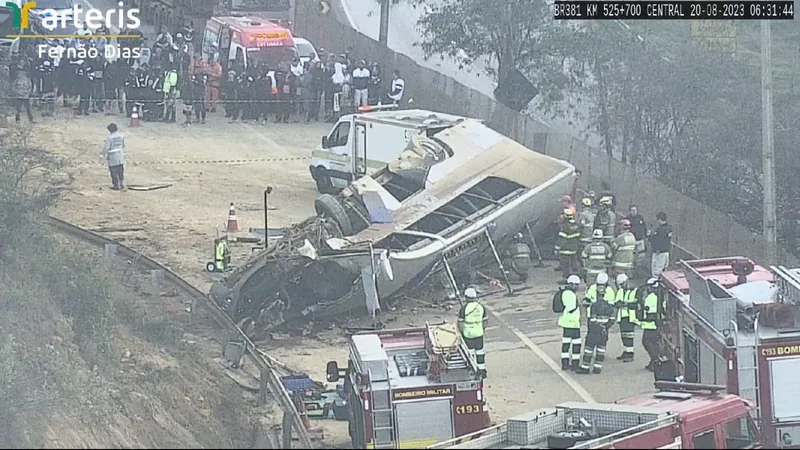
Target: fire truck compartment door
[(423, 423), (785, 389)]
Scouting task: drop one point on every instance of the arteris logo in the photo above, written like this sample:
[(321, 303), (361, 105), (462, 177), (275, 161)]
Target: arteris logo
[(78, 18)]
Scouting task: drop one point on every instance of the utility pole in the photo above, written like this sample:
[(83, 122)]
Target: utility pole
[(383, 31), (768, 157)]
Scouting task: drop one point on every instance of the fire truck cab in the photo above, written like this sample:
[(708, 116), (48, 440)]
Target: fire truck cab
[(410, 388), (731, 322), (247, 40)]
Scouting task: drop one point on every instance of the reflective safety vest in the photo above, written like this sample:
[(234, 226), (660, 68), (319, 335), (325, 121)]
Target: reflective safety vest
[(586, 220), (650, 312), (170, 81), (520, 252), (473, 320), (568, 238), (596, 257), (626, 305), (571, 317), (624, 247), (222, 249), (591, 296)]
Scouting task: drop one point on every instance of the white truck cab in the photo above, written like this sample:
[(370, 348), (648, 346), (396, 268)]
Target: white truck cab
[(362, 143)]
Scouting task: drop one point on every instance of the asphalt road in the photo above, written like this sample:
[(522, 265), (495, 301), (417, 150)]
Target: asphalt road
[(364, 16)]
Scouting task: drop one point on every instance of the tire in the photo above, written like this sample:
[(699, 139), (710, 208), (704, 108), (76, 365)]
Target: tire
[(566, 439), (326, 205), (211, 267), (323, 180)]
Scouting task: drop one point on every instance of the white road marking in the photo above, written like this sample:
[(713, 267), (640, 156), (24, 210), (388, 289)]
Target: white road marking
[(574, 385)]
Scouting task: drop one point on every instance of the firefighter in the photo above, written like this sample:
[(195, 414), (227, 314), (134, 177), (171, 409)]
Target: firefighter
[(600, 290), (596, 256), (624, 247), (601, 318), (605, 219), (648, 315), (570, 322), (222, 257), (518, 257), (586, 221), (566, 203), (171, 94), (472, 320), (567, 244), (626, 316)]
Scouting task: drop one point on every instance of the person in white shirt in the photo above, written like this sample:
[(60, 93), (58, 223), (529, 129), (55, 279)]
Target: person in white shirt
[(297, 67), (361, 77), (338, 79), (398, 88)]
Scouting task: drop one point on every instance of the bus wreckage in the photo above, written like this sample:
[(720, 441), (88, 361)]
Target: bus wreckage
[(441, 205)]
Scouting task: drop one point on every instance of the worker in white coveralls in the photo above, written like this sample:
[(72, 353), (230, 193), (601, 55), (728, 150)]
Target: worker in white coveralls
[(472, 321)]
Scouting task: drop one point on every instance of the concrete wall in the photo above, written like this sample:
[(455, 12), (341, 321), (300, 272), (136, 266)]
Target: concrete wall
[(699, 229)]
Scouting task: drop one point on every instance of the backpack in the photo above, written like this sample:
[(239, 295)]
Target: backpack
[(558, 305)]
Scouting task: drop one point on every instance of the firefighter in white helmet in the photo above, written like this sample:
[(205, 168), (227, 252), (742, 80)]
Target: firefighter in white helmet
[(472, 320), (596, 256), (565, 303), (626, 316), (599, 290)]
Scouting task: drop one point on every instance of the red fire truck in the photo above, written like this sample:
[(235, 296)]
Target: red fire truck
[(731, 322), (679, 415), (410, 388)]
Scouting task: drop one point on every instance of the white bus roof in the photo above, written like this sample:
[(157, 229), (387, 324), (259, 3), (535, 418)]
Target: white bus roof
[(411, 118)]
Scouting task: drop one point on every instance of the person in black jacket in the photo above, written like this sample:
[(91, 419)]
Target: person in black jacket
[(199, 94), (188, 98), (375, 84), (98, 87), (284, 85), (47, 86), (83, 86), (639, 230), (313, 91), (228, 93), (661, 245), (263, 95)]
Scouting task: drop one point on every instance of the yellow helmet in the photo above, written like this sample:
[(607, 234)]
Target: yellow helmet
[(605, 201), (586, 201)]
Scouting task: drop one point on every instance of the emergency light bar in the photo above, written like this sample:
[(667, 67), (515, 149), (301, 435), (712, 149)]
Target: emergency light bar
[(370, 108)]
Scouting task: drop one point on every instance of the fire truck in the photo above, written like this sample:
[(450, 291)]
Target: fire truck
[(678, 415), (731, 322), (410, 388)]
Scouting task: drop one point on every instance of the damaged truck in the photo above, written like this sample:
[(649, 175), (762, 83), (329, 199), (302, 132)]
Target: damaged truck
[(439, 206)]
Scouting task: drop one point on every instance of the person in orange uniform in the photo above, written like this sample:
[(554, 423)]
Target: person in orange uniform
[(214, 71), (198, 66), (566, 203)]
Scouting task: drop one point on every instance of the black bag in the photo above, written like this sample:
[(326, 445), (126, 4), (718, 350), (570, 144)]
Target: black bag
[(558, 305)]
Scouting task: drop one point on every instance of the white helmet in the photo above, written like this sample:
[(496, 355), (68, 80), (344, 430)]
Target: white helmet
[(470, 293), (602, 278), (652, 281), (621, 279), (597, 234), (574, 279)]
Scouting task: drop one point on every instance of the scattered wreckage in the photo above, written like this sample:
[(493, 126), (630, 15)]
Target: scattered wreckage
[(439, 206)]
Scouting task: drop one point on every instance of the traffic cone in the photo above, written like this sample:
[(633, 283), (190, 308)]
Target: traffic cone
[(233, 222), (135, 117)]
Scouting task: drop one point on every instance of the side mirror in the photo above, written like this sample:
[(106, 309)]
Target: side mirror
[(332, 371), (324, 141)]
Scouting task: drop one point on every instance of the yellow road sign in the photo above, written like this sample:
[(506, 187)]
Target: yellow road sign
[(324, 7)]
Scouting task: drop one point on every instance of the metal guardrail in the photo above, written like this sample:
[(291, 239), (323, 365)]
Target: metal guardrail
[(269, 378), (450, 443)]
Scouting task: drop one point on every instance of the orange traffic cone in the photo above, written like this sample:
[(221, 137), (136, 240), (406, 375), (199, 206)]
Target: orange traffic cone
[(135, 117), (233, 222)]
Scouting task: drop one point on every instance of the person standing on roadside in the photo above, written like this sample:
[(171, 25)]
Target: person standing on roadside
[(639, 230), (114, 153), (661, 244)]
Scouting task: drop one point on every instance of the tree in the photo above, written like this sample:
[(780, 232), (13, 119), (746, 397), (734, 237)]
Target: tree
[(517, 34)]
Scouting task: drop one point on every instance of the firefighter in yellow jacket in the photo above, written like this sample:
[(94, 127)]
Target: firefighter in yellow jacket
[(626, 304), (222, 255), (600, 289)]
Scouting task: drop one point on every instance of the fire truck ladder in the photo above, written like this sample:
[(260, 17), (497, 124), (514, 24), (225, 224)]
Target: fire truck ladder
[(747, 370), (383, 417)]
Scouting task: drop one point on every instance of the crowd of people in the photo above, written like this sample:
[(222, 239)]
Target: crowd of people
[(170, 77)]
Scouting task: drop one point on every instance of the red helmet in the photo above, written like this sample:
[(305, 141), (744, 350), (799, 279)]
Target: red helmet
[(626, 224), (566, 198)]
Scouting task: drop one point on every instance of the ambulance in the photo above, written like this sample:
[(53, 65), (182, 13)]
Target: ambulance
[(248, 40)]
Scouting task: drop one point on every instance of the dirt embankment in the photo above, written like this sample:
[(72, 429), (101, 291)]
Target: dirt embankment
[(90, 362)]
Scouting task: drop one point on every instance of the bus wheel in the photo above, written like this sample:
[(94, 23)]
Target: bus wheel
[(328, 206)]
